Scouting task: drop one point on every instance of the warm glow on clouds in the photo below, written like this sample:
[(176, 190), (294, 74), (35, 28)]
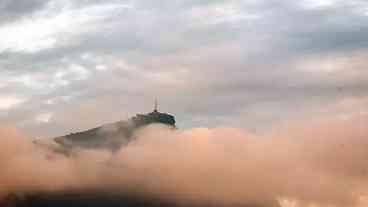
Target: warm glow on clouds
[(319, 162), (342, 66), (9, 101)]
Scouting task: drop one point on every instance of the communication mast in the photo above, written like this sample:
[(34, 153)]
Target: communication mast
[(156, 106)]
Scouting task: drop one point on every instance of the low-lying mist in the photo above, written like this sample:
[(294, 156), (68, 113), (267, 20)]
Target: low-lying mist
[(317, 163)]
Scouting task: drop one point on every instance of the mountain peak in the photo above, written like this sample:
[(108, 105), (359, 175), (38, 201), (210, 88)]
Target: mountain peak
[(114, 135)]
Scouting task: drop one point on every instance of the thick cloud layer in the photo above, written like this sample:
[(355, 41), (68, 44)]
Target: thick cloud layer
[(319, 162)]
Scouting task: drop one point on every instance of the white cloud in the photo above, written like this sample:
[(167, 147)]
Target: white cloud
[(9, 101), (46, 29), (101, 67), (324, 65), (79, 72), (31, 81), (315, 4), (58, 99), (43, 118), (218, 13), (73, 73), (34, 34), (87, 56), (347, 65), (49, 102)]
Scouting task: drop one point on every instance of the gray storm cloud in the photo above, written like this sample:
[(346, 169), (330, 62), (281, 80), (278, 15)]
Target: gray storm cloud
[(321, 162)]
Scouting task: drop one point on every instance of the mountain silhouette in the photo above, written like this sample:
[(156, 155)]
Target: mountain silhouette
[(114, 135)]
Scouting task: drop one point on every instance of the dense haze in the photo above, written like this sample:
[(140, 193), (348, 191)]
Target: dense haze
[(321, 161)]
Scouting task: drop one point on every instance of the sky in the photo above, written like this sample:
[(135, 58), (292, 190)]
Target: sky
[(71, 65)]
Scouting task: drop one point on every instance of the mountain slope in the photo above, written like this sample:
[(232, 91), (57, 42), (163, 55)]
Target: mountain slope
[(114, 135)]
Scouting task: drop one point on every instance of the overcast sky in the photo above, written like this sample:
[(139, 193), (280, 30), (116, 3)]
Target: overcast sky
[(68, 65)]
